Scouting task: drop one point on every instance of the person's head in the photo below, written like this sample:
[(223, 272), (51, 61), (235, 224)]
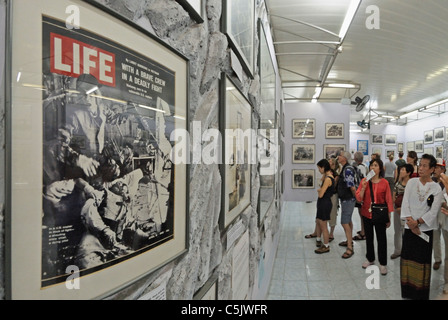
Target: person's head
[(89, 90), (344, 157), (358, 157), (374, 156), (440, 168), (427, 165), (406, 170), (377, 166), (412, 158), (323, 166), (391, 157), (400, 154)]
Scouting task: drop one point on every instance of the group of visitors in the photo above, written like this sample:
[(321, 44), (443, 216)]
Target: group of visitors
[(411, 193)]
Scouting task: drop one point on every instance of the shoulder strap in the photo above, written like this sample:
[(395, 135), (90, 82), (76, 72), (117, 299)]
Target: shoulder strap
[(371, 191)]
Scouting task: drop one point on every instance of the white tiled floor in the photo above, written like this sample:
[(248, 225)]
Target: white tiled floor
[(301, 274)]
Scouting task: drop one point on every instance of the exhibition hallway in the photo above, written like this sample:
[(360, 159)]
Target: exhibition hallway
[(301, 274)]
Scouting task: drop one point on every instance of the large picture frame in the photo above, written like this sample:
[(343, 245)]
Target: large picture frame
[(106, 204), (428, 137), (333, 150), (238, 23), (303, 178), (334, 131), (303, 128), (238, 142), (303, 153)]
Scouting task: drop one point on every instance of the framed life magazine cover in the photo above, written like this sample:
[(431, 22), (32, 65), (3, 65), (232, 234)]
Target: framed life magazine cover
[(95, 193)]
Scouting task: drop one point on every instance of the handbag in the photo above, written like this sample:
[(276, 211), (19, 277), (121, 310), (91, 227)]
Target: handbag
[(379, 211)]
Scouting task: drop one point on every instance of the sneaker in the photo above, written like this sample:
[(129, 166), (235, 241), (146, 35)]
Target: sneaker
[(367, 263), (383, 270), (323, 249)]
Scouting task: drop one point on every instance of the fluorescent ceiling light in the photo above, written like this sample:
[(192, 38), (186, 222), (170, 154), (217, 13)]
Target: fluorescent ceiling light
[(342, 85), (388, 117), (354, 4)]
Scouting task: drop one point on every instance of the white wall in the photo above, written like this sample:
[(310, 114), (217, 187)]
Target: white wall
[(323, 113)]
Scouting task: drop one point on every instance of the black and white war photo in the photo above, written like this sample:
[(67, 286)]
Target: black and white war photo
[(108, 181)]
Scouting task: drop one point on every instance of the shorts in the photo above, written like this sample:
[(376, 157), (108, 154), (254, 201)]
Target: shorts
[(347, 207)]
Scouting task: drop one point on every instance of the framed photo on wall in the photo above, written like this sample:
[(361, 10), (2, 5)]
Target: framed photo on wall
[(334, 131), (428, 136), (303, 178), (236, 121), (303, 153), (400, 147), (377, 138), (333, 150), (439, 151), (363, 146), (239, 25), (391, 139), (418, 146), (410, 146), (428, 150), (106, 120), (303, 128), (439, 134), (377, 150)]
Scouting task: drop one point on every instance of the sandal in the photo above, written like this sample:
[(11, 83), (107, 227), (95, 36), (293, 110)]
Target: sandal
[(348, 253), (359, 237), (343, 243), (331, 239), (309, 236)]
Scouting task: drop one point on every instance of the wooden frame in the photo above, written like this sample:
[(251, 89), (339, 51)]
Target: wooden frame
[(36, 234)]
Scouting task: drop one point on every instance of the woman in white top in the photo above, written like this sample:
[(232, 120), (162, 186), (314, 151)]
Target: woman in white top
[(421, 203)]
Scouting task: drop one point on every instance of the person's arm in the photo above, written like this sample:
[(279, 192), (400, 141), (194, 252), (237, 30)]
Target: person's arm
[(361, 190), (321, 191)]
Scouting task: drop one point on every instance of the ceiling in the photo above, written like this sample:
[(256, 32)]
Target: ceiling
[(395, 51)]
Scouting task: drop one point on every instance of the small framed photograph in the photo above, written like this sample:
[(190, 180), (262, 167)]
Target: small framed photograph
[(391, 139), (363, 146), (418, 147), (377, 150), (428, 136), (333, 150), (400, 147), (303, 128), (303, 153), (439, 151), (428, 150), (303, 179), (334, 131), (389, 153), (377, 138), (410, 146), (439, 134)]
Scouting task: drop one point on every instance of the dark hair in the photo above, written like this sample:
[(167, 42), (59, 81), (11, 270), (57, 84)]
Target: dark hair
[(413, 155), (380, 164), (432, 160), (400, 154), (324, 164), (409, 168)]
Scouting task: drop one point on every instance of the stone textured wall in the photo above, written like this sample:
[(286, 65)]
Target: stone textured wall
[(208, 51)]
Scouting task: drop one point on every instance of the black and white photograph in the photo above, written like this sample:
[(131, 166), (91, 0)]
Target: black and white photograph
[(439, 151), (303, 153), (400, 147), (377, 138), (390, 153), (334, 131), (377, 150), (439, 134), (410, 146), (333, 150), (110, 189), (391, 139), (428, 136), (418, 146), (303, 128), (303, 179)]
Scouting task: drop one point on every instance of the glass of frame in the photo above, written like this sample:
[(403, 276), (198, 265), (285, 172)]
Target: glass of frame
[(303, 178), (334, 131), (106, 202), (238, 143), (333, 150), (194, 8), (303, 153), (239, 25), (303, 128), (363, 146)]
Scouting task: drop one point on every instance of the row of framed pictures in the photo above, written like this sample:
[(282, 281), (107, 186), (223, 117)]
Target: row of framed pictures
[(306, 128), (429, 137), (306, 153)]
